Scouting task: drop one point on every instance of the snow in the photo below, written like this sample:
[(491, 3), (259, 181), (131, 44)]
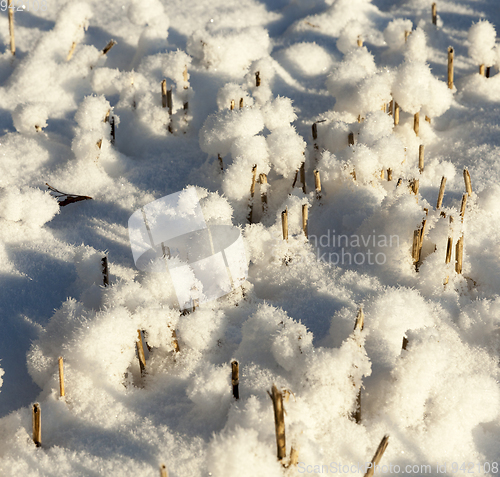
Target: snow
[(248, 81)]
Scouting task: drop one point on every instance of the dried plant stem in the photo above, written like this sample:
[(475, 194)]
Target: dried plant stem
[(482, 70), (360, 41), (389, 174), (257, 78), (235, 379), (140, 353), (462, 206), (468, 185), (459, 254), (164, 93), (61, 377), (434, 14), (105, 271), (303, 177), (108, 47), (414, 184), (279, 422), (396, 114), (294, 456), (391, 106), (221, 163), (441, 193), (175, 342), (263, 193), (488, 70), (232, 105), (378, 455), (71, 51), (305, 214), (407, 34), (37, 425), (421, 158), (415, 251), (351, 139), (449, 245), (405, 343), (241, 103), (428, 119), (252, 193), (416, 123), (317, 184), (450, 67), (360, 320), (284, 224), (11, 28), (163, 470)]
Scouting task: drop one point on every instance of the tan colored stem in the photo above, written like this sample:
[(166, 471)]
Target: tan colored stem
[(416, 123), (235, 379), (317, 184), (360, 320), (459, 254), (378, 455), (164, 93), (482, 70), (279, 422), (263, 194), (257, 78), (284, 224), (434, 14), (71, 51), (37, 425), (421, 158), (163, 471), (468, 184), (305, 215), (252, 193), (462, 206), (389, 174), (105, 271), (441, 193), (108, 47), (140, 353), (450, 67), (360, 41), (11, 28), (175, 342), (396, 114), (232, 104), (241, 103), (61, 377)]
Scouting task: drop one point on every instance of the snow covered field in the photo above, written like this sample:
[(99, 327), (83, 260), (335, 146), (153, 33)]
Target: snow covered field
[(377, 238)]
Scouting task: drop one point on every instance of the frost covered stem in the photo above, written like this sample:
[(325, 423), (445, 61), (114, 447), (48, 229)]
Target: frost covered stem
[(61, 377), (305, 215), (421, 158), (434, 14), (235, 379), (416, 123), (284, 224), (396, 114), (450, 67), (279, 421), (317, 184), (163, 471), (175, 342), (459, 254), (71, 51), (441, 193), (140, 353), (105, 271), (11, 28), (468, 185), (37, 425), (164, 93), (378, 455)]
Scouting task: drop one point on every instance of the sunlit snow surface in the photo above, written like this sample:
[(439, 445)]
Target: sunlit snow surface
[(291, 323)]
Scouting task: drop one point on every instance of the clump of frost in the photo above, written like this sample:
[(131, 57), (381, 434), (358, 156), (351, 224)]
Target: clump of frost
[(30, 118), (150, 15), (92, 127), (482, 38), (229, 50), (266, 71), (278, 113), (349, 36), (286, 150), (221, 129), (31, 207), (394, 33), (175, 63), (416, 47), (308, 59)]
